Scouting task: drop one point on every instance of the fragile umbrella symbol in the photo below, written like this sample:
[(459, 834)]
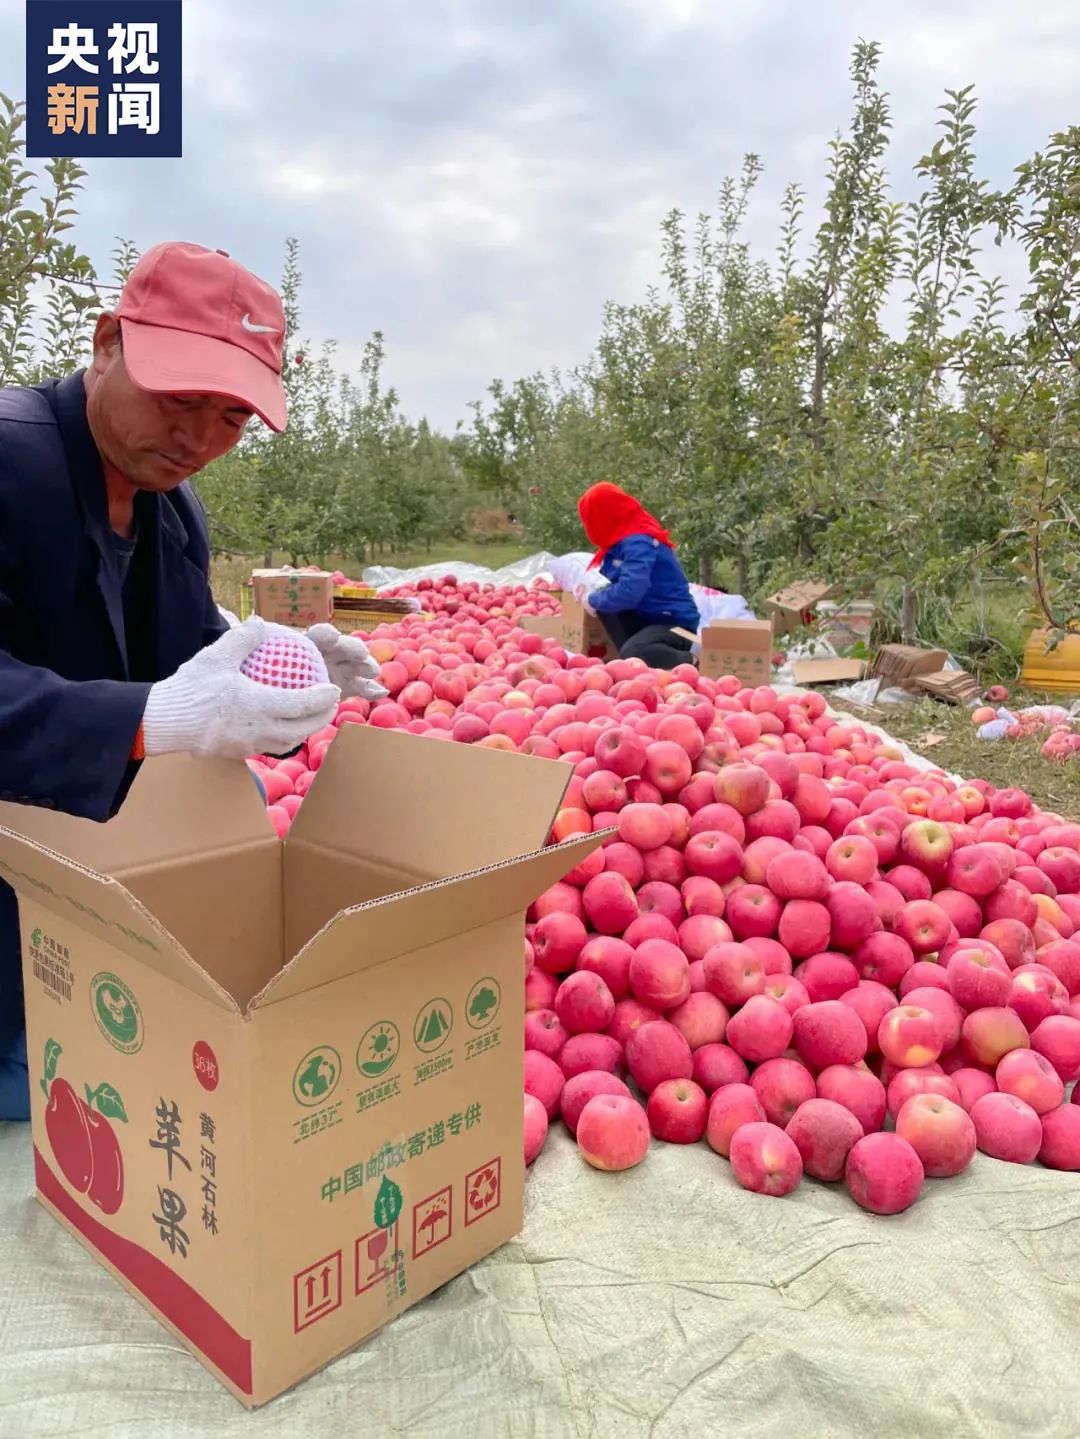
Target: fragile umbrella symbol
[(435, 1215)]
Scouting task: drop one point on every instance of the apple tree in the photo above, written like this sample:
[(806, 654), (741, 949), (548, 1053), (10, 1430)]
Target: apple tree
[(916, 508), (1043, 211), (48, 288)]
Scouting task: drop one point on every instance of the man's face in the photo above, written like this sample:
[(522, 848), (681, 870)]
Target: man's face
[(155, 441)]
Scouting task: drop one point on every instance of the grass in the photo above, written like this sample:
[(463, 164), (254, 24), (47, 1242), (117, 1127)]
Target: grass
[(945, 735)]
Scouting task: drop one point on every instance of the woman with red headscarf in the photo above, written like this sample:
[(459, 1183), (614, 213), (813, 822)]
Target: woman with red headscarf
[(648, 596)]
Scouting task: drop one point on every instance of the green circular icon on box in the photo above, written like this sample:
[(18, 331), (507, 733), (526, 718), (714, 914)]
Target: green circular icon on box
[(117, 1012), (377, 1052), (483, 1003), (317, 1076), (433, 1025)]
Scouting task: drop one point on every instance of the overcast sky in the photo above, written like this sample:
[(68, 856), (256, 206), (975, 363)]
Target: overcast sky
[(476, 177)]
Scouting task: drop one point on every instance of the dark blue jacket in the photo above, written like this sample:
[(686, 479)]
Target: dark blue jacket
[(647, 579), (74, 671)]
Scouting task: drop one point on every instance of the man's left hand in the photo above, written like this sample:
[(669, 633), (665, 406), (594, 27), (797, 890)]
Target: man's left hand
[(348, 663)]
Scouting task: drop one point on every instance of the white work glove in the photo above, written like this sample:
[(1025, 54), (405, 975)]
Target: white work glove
[(348, 663), (581, 594), (209, 708)]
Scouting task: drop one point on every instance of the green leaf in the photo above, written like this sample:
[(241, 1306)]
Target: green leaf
[(52, 1057), (388, 1203), (108, 1101)]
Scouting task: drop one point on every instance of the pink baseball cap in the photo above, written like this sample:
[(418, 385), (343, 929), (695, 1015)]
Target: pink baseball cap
[(196, 322)]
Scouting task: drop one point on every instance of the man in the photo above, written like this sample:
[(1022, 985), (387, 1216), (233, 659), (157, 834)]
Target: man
[(112, 649)]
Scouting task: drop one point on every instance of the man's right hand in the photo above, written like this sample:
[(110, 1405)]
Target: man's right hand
[(209, 708)]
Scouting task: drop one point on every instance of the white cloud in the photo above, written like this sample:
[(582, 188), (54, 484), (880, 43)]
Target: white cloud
[(219, 73), (1037, 54), (307, 178), (475, 178)]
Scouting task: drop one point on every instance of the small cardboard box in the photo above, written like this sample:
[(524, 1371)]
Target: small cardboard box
[(276, 1085), (297, 598), (738, 647), (549, 627), (583, 633), (793, 607), (845, 624), (577, 631)]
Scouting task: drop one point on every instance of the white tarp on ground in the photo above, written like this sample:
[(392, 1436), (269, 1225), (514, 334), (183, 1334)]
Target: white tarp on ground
[(565, 570), (656, 1304)]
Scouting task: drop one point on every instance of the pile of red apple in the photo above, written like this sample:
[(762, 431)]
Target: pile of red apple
[(466, 599), (786, 954), (477, 600), (791, 944)]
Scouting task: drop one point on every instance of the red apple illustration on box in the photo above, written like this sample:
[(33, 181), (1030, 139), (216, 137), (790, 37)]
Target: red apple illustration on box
[(82, 1139)]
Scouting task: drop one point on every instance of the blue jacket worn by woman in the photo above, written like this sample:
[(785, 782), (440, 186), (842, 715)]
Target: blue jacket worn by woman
[(646, 579)]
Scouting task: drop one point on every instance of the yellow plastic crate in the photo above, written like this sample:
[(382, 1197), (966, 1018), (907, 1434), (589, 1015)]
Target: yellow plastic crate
[(1057, 672), (348, 621)]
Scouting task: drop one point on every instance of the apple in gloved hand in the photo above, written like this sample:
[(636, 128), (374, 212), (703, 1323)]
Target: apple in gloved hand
[(286, 660)]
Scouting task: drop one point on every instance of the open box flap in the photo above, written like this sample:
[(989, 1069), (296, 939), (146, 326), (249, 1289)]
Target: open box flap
[(801, 595), (104, 908), (359, 938), (177, 806), (427, 808)]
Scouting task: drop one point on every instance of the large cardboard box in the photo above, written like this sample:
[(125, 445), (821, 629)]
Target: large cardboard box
[(297, 598), (276, 1086), (738, 647)]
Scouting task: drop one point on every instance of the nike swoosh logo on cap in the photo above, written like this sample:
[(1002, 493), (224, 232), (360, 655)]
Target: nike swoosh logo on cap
[(253, 329)]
